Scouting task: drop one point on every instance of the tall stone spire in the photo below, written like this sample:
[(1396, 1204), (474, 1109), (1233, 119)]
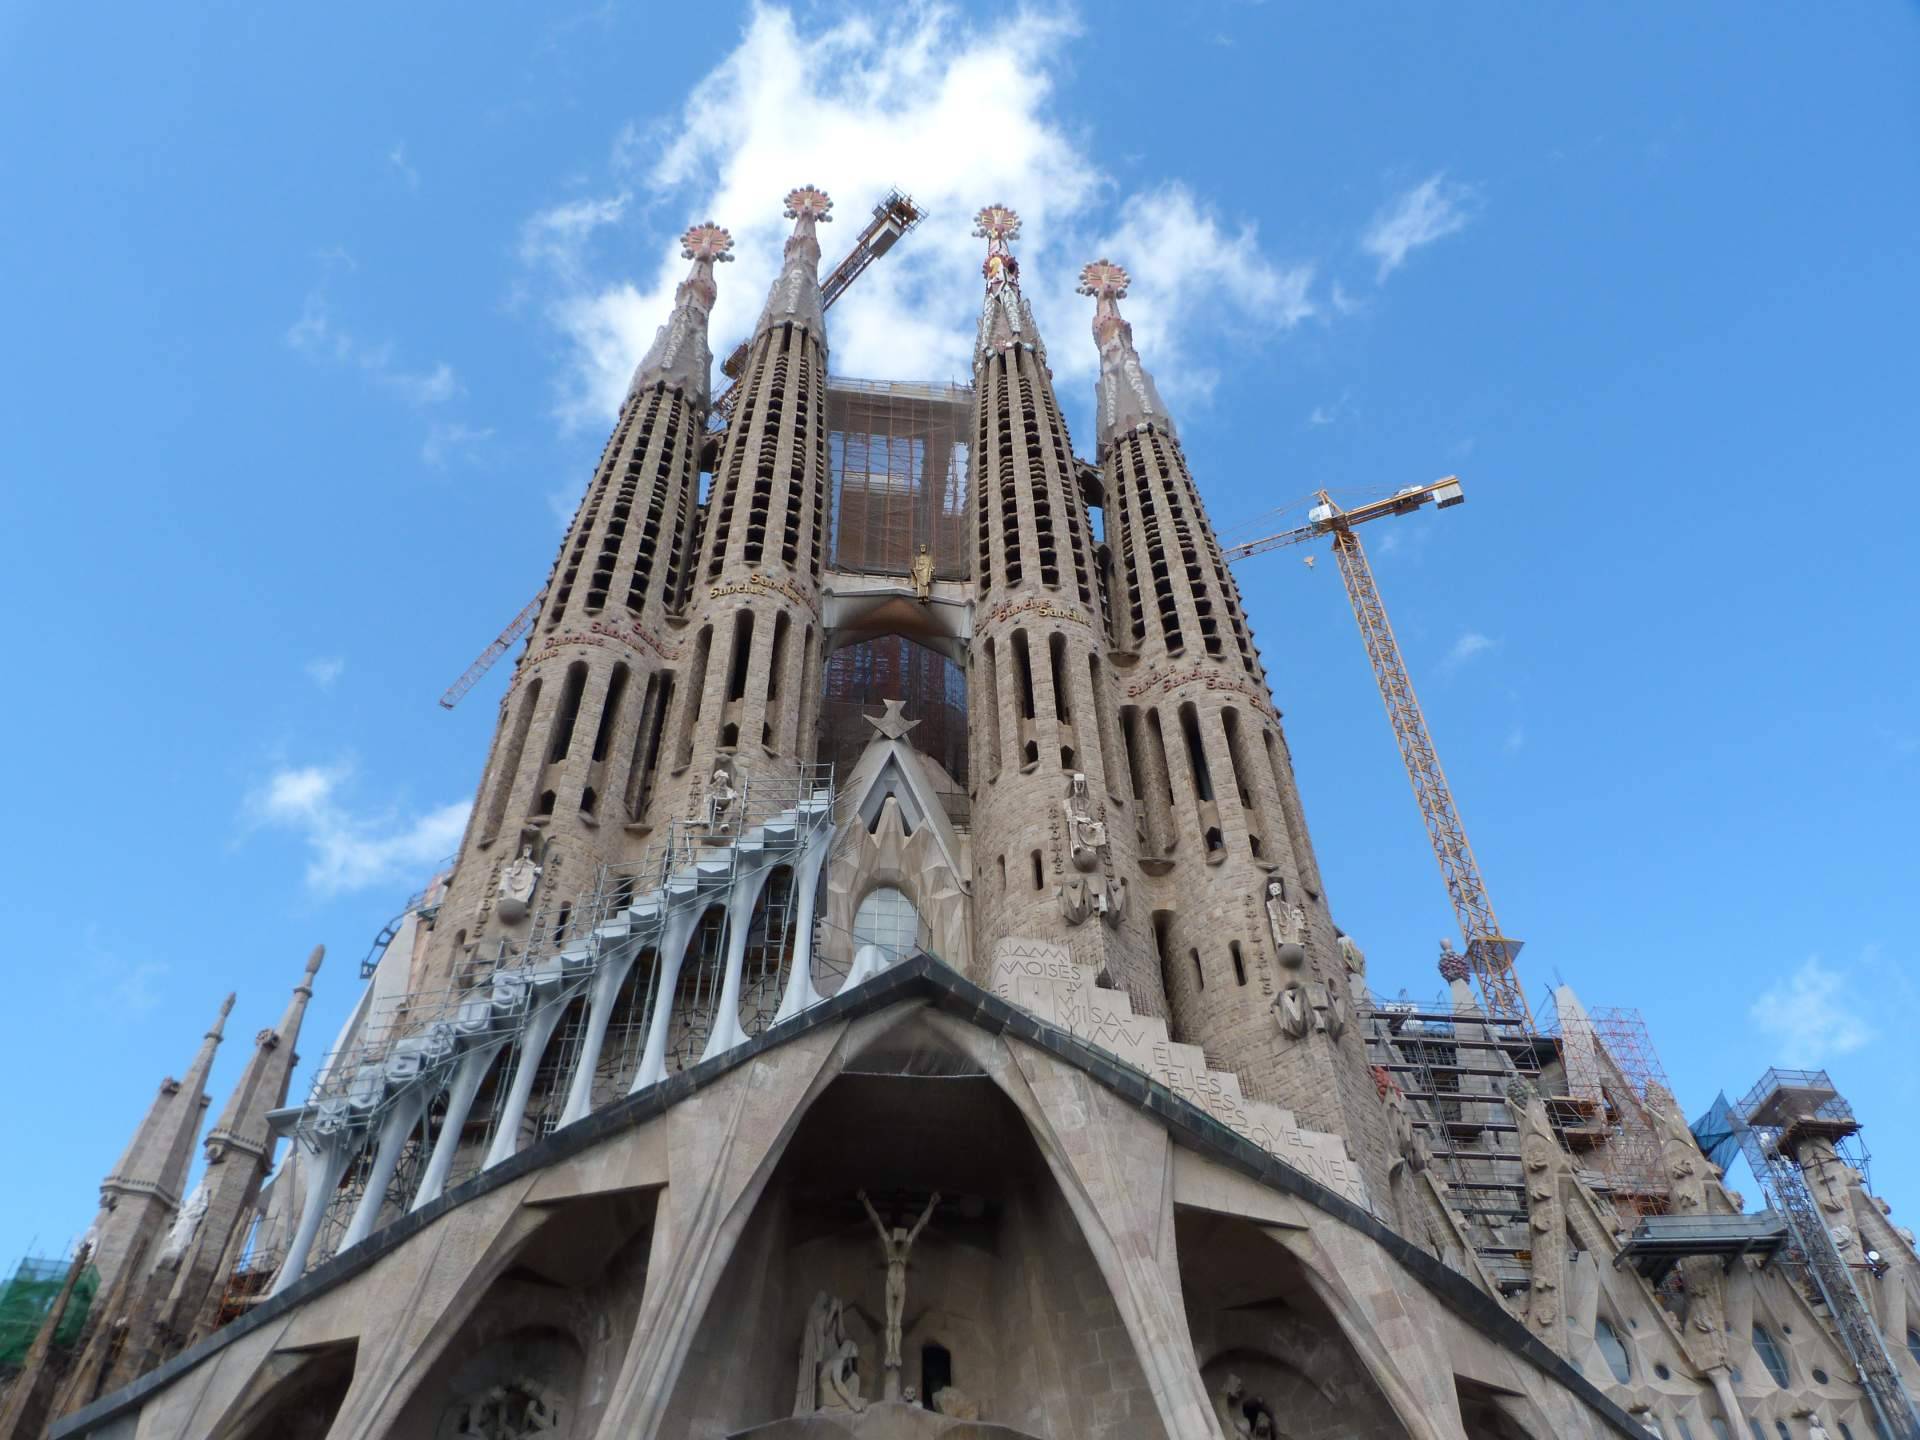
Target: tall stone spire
[(578, 742), (1244, 926), (195, 1263), (142, 1193), (795, 296), (680, 357), (754, 651), (1127, 396), (1047, 764)]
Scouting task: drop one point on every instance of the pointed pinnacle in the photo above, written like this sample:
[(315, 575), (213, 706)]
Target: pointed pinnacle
[(226, 1009), (1104, 280), (808, 202), (313, 960)]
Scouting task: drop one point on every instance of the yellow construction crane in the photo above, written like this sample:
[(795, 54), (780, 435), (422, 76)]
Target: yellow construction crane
[(1490, 953), (892, 217)]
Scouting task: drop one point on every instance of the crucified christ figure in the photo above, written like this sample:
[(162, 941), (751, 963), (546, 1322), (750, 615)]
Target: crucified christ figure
[(896, 1243)]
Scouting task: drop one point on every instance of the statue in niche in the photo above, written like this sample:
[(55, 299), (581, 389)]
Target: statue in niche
[(895, 1243), (720, 800), (923, 575), (1086, 836), (1288, 924), (513, 896), (1230, 1408), (1075, 903), (1815, 1430)]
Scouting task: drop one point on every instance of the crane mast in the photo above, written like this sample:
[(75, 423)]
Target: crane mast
[(1490, 953)]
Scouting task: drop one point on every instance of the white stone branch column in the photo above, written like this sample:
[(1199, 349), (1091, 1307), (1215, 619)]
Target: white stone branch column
[(533, 1044), (800, 993), (747, 889), (673, 950), (467, 1076), (600, 1003), (395, 1131), (340, 1148)]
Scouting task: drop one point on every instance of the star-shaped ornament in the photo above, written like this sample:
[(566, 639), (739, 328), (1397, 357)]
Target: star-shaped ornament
[(891, 723)]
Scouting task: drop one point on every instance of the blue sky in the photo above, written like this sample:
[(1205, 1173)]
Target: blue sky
[(316, 316)]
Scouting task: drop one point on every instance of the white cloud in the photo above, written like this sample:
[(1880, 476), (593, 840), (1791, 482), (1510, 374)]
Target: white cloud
[(1469, 646), (317, 335), (1430, 211), (558, 237), (1811, 1016), (397, 157), (354, 851), (959, 114), (1320, 415), (325, 670), (1516, 738), (450, 439)]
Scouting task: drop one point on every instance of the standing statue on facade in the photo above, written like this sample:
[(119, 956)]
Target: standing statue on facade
[(923, 576), (513, 896), (896, 1242), (720, 798), (1288, 924)]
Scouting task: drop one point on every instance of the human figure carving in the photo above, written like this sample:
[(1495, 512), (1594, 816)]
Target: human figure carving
[(1288, 923), (720, 798), (514, 893), (923, 576), (1230, 1408), (896, 1243), (1086, 836)]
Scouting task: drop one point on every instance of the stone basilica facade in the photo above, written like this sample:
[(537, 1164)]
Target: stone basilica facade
[(886, 989)]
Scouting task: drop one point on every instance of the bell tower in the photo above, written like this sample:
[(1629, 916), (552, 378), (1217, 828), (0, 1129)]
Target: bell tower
[(577, 754), (1245, 944), (1054, 848)]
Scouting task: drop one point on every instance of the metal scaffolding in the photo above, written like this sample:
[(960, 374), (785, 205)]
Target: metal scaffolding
[(1785, 1110)]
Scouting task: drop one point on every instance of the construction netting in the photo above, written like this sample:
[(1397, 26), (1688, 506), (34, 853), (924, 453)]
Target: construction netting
[(28, 1298), (899, 455)]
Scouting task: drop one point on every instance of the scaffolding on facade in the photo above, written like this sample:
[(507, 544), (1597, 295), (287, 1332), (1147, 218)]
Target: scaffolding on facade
[(899, 457), (1609, 1061), (30, 1295), (1785, 1110)]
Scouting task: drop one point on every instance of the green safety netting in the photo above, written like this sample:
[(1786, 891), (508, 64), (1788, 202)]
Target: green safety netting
[(29, 1295)]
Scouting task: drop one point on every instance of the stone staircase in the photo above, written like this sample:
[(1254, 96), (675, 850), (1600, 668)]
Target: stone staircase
[(1045, 980)]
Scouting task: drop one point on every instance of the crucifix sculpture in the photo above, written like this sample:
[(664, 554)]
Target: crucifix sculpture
[(896, 1242)]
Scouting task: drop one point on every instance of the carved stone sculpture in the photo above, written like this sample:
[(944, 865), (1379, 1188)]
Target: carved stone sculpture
[(1815, 1430), (1075, 902), (184, 1225), (513, 896), (720, 800), (1288, 924), (1453, 965), (1351, 954), (1086, 836), (1111, 901), (1292, 1009), (895, 1243), (1545, 1169), (923, 576), (1230, 1406), (829, 1377)]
